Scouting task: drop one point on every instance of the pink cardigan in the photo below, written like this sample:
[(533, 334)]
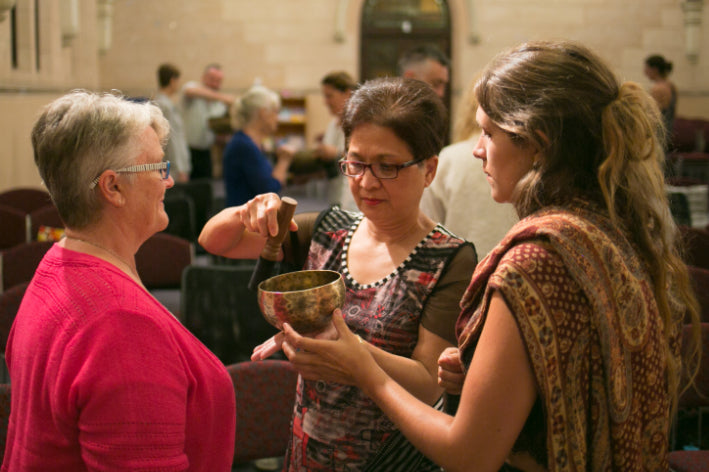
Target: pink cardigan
[(105, 378)]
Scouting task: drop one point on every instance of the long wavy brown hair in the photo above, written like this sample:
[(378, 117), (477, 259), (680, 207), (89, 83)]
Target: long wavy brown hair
[(600, 141)]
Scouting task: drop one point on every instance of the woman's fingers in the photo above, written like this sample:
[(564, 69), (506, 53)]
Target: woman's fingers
[(450, 371), (268, 348)]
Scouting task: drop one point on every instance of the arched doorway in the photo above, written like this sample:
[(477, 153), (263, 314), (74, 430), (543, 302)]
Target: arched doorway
[(391, 27)]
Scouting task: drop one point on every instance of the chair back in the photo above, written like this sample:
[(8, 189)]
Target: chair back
[(18, 263), (4, 416), (10, 301), (180, 210), (679, 208), (201, 192), (693, 404), (15, 227), (25, 199), (47, 216), (696, 242), (220, 310), (698, 394), (700, 282), (265, 394), (161, 260)]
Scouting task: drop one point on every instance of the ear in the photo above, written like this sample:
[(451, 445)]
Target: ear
[(111, 188), (431, 166), (537, 150)]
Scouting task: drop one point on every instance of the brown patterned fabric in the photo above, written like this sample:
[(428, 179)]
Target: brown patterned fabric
[(587, 315)]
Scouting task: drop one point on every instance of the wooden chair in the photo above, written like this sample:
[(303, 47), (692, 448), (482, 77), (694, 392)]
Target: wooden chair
[(14, 227), (18, 263), (265, 394), (220, 310), (25, 199), (161, 260)]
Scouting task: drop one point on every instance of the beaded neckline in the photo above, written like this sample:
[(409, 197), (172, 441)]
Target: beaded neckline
[(346, 247)]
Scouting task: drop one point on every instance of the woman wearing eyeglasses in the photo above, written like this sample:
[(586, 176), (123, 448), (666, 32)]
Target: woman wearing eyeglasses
[(404, 276), (103, 376)]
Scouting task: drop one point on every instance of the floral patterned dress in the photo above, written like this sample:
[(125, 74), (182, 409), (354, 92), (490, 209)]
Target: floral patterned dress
[(336, 427)]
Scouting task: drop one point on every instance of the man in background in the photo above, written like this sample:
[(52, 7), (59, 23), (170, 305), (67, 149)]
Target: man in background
[(176, 150), (428, 64), (200, 102)]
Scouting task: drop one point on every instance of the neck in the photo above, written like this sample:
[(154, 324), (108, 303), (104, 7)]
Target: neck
[(253, 131), (167, 91), (91, 243), (402, 232)]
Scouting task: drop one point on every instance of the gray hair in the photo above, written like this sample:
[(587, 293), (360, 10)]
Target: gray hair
[(245, 108), (80, 135)]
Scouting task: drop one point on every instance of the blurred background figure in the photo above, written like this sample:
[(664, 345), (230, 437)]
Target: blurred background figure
[(657, 69), (103, 376), (459, 197), (428, 64), (176, 150), (246, 168), (200, 102), (336, 87)]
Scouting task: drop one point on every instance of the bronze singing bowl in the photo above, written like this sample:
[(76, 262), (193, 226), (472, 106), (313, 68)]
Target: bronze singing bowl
[(304, 299)]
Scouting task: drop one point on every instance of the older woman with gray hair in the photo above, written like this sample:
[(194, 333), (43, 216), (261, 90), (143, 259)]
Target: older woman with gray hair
[(103, 376), (246, 168)]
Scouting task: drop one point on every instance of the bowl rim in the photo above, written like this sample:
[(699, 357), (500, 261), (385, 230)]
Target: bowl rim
[(337, 279)]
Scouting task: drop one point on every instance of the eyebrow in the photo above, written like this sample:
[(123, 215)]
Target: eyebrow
[(377, 157)]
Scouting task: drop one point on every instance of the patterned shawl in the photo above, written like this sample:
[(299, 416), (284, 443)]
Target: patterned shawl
[(599, 363)]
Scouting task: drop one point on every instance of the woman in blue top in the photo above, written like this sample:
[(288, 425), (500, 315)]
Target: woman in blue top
[(247, 170)]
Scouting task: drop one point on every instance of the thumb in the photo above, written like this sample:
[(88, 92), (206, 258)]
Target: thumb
[(339, 322)]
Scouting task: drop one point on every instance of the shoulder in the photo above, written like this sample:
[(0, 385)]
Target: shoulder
[(335, 218)]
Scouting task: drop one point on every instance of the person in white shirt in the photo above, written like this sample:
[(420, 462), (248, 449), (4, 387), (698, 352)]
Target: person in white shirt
[(176, 150), (459, 196), (337, 87), (200, 102)]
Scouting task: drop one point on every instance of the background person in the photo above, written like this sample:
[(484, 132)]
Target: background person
[(246, 168), (103, 376), (403, 273), (459, 197), (336, 87), (428, 64), (657, 69), (569, 331), (200, 102), (176, 150)]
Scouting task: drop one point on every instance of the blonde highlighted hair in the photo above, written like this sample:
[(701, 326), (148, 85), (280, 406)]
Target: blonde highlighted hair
[(600, 141)]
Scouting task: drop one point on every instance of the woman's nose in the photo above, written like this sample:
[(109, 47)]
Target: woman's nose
[(479, 149), (368, 179)]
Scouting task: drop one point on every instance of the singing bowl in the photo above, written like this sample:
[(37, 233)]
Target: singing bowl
[(304, 299)]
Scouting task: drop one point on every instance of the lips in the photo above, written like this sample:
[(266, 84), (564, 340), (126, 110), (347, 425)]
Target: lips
[(371, 201)]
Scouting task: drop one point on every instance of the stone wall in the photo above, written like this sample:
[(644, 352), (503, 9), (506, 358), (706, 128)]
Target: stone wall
[(290, 44)]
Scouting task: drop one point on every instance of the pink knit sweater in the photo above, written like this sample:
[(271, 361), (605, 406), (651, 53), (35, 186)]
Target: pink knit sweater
[(105, 378)]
